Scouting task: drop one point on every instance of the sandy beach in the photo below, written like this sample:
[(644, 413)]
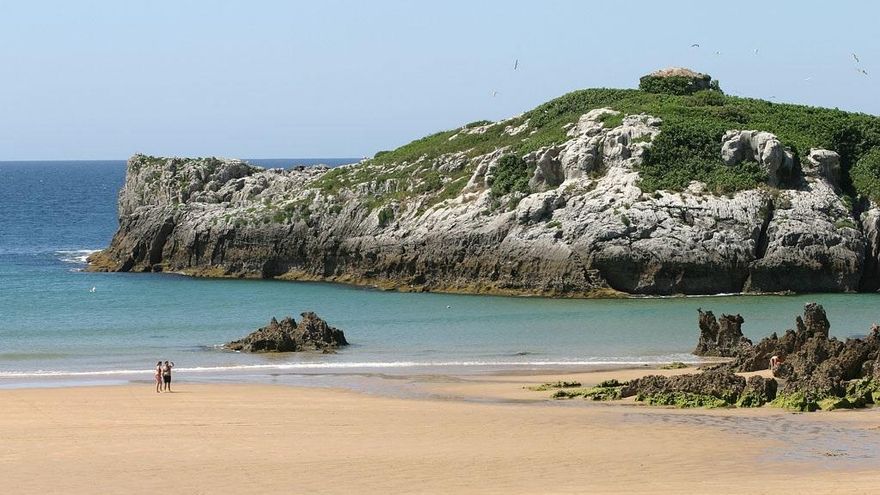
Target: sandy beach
[(488, 435)]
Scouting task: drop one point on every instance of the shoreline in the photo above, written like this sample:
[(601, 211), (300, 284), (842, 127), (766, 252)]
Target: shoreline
[(338, 373), (99, 262), (486, 434)]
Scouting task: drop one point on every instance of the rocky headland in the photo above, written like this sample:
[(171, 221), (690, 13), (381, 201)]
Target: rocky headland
[(675, 188), (311, 334), (815, 371)]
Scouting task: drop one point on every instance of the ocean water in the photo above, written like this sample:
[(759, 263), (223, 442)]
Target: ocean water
[(55, 330)]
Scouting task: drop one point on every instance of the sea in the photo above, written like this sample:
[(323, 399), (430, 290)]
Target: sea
[(63, 326)]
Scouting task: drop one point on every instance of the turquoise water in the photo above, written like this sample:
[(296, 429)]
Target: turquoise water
[(52, 327)]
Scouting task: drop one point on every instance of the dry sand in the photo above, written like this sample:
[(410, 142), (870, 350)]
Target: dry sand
[(499, 439)]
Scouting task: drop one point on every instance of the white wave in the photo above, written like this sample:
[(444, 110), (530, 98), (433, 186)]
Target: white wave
[(346, 366), (78, 256), (690, 296)]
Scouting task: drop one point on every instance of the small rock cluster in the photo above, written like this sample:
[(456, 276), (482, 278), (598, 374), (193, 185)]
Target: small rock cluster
[(722, 337), (311, 334)]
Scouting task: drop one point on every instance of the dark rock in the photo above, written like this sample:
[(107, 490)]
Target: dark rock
[(722, 385), (815, 321), (312, 334), (722, 338), (758, 391), (817, 370), (813, 324)]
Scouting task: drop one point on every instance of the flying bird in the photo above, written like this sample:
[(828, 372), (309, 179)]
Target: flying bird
[(857, 58), (718, 52), (93, 289), (515, 64), (756, 51), (695, 45), (494, 94), (863, 71), (808, 78)]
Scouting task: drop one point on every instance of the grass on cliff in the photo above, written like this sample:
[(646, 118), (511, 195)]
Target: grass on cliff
[(687, 149)]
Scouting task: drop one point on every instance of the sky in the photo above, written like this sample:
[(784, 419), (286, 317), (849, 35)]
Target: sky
[(335, 78)]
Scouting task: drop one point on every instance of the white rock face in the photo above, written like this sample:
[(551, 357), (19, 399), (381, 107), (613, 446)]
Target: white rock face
[(761, 147), (593, 146), (824, 164), (587, 227), (811, 233), (871, 227)]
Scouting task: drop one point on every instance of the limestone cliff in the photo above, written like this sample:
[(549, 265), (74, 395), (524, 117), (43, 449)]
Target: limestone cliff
[(579, 224)]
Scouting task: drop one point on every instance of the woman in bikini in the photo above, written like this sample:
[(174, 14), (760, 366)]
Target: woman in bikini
[(166, 375), (158, 377)]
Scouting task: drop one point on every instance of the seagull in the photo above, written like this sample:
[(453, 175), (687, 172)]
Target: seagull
[(863, 71), (695, 45), (756, 51), (93, 289), (718, 52), (808, 78), (515, 64), (448, 307), (494, 94), (857, 58)]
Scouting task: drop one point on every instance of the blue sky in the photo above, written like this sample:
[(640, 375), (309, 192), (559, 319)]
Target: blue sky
[(106, 79)]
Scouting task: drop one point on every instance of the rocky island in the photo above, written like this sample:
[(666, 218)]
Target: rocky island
[(673, 188), (311, 334)]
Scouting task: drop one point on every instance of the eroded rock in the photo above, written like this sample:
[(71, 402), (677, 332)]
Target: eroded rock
[(762, 147), (311, 334), (722, 338)]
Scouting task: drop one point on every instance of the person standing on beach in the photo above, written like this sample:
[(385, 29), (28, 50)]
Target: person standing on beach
[(158, 377), (166, 375)]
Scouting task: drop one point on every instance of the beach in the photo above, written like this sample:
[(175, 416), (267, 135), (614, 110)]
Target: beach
[(477, 434)]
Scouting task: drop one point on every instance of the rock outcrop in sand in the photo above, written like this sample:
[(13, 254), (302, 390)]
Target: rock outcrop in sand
[(311, 334), (817, 370)]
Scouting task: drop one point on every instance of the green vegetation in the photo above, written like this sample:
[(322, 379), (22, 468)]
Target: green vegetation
[(682, 400), (859, 393), (512, 174), (568, 393), (675, 365), (607, 390), (845, 223), (478, 123), (832, 403), (687, 149), (677, 85), (797, 401), (385, 216), (611, 120), (554, 385), (751, 399), (866, 175)]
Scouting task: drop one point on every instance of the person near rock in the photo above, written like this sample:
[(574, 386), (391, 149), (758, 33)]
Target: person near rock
[(775, 361), (158, 377), (166, 375)]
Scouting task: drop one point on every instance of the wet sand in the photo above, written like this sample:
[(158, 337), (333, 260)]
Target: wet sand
[(477, 434)]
